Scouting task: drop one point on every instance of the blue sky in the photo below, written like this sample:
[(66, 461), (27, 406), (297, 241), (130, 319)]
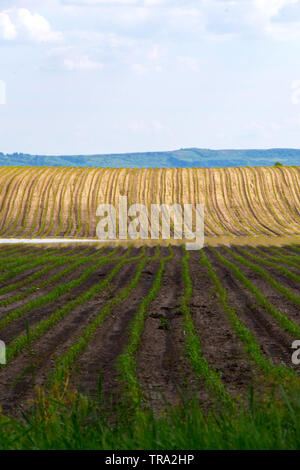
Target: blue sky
[(97, 76)]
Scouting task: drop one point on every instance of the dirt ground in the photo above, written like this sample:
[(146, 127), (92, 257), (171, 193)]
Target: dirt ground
[(162, 366)]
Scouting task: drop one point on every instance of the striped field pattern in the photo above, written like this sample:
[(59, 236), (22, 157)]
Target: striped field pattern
[(153, 318), (62, 202)]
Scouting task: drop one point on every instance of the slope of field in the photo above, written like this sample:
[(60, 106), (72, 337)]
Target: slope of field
[(62, 202), (151, 319)]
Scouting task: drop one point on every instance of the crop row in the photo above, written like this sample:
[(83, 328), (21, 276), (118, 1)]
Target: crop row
[(74, 287), (63, 202)]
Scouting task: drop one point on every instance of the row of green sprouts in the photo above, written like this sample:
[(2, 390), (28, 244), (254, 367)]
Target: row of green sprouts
[(63, 281)]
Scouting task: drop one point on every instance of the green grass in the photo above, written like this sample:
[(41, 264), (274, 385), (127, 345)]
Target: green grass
[(75, 422)]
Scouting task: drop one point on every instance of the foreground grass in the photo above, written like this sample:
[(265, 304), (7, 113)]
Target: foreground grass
[(75, 422)]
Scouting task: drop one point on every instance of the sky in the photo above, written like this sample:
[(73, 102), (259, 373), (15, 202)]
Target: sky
[(115, 76)]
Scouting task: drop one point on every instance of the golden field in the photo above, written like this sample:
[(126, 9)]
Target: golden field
[(62, 202)]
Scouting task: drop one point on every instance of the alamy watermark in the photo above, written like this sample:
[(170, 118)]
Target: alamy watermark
[(2, 92), (161, 221), (2, 353), (296, 354)]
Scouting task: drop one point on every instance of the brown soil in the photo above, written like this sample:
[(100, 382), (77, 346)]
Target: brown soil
[(274, 342), (163, 368)]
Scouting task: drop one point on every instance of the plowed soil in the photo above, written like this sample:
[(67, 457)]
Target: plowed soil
[(163, 368)]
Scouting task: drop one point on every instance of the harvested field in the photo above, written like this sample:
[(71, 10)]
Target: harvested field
[(156, 321), (62, 202)]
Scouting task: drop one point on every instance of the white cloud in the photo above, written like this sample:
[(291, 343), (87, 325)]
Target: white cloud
[(157, 52), (102, 2), (21, 22), (139, 69), (143, 69), (295, 97), (145, 127), (267, 13), (186, 19), (2, 92), (270, 8), (190, 63), (82, 63), (284, 32), (7, 28), (37, 26), (115, 2)]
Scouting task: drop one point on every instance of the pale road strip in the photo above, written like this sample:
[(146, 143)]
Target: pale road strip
[(254, 241), (51, 240)]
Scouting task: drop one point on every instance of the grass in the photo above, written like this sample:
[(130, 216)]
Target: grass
[(70, 421)]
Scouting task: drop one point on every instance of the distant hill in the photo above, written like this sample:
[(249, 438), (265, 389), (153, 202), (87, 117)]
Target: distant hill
[(188, 158)]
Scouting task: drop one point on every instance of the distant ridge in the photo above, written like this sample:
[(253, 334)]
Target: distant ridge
[(183, 158)]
